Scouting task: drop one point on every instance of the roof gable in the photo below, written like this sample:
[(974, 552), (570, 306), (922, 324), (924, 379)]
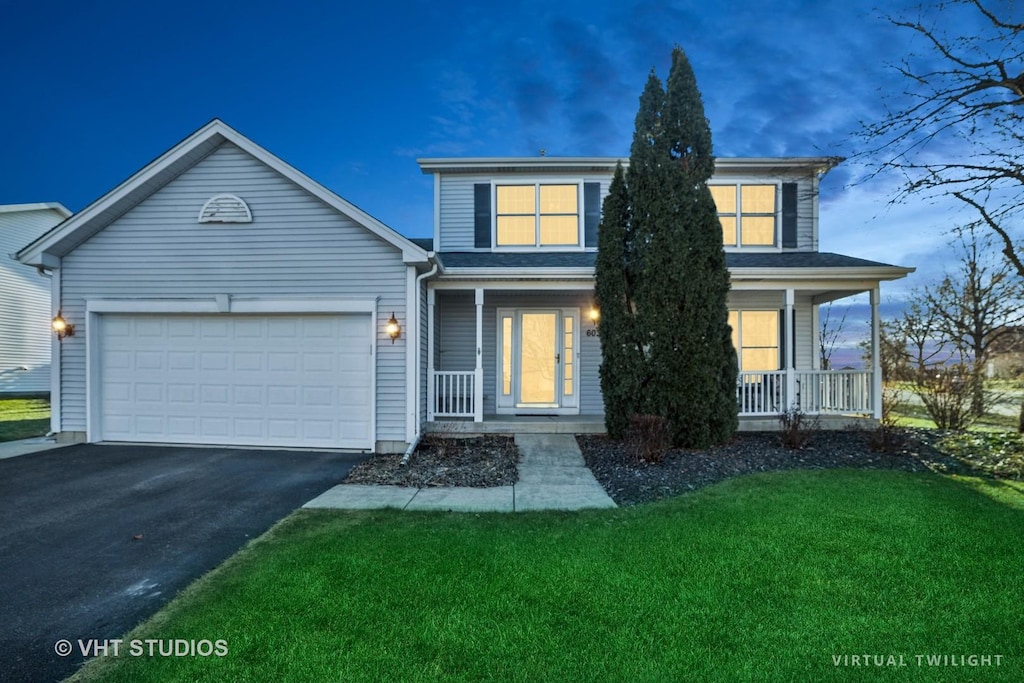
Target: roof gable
[(48, 249)]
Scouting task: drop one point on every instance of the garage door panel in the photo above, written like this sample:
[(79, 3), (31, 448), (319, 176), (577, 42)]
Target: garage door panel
[(245, 380)]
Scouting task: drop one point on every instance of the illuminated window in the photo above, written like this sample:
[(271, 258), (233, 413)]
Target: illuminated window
[(537, 215), (755, 335), (747, 214)]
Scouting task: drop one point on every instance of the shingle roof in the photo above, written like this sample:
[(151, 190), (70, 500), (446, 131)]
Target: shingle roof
[(585, 259), (426, 243)]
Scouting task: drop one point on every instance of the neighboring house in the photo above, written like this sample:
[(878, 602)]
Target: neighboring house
[(25, 313), (219, 296)]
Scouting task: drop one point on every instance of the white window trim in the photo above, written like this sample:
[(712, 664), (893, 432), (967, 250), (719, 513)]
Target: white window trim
[(536, 182), (763, 248)]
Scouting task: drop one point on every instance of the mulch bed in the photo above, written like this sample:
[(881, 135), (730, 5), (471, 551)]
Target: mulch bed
[(682, 471), (445, 461)]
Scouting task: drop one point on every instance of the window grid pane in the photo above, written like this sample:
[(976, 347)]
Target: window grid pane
[(558, 199), (559, 230), (758, 231), (728, 230), (516, 230), (725, 198), (517, 199), (757, 199)]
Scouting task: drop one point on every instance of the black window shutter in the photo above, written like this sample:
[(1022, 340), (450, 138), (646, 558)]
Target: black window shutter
[(482, 215), (782, 339), (792, 351), (789, 215), (591, 213)]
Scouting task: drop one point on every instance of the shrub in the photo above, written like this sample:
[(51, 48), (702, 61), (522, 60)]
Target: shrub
[(888, 436), (946, 394), (796, 428), (648, 438)]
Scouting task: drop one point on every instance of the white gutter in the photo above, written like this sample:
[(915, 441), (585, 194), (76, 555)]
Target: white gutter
[(416, 349)]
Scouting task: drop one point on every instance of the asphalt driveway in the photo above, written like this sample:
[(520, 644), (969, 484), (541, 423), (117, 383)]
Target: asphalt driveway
[(94, 539)]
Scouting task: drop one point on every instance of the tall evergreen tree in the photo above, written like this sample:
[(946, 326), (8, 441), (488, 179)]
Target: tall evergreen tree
[(620, 362), (683, 366)]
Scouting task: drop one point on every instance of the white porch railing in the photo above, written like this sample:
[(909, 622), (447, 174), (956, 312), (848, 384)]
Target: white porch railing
[(454, 393), (819, 392), (834, 391), (761, 393)]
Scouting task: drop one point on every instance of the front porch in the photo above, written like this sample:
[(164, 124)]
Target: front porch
[(483, 377)]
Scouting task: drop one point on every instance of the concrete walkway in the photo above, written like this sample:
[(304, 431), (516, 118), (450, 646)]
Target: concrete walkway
[(552, 476), (11, 449)]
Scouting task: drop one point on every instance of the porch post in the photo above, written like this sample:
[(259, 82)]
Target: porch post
[(478, 384), (431, 396), (787, 362), (876, 361)]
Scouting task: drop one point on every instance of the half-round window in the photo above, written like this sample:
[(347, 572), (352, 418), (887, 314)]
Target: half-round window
[(225, 208)]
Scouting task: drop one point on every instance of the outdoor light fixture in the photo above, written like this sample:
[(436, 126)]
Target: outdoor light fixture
[(393, 328), (595, 314), (62, 327)]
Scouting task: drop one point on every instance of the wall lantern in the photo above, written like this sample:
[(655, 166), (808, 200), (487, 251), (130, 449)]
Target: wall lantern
[(394, 330), (594, 314), (62, 327)]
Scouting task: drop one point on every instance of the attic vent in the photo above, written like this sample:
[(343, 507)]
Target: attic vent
[(225, 208)]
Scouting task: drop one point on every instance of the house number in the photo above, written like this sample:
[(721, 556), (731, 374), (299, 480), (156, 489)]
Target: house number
[(593, 333)]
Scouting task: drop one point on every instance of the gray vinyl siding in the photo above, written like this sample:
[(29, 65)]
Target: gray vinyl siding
[(24, 306), (456, 210), (455, 344), (806, 216), (456, 335), (296, 247)]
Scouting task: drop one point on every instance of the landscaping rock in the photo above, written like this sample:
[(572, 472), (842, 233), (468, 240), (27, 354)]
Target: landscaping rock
[(483, 461), (629, 482)]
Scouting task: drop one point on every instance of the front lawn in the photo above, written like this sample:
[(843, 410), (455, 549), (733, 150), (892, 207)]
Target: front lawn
[(23, 418), (765, 577)]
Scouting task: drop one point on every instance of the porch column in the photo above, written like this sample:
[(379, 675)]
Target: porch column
[(787, 362), (431, 400), (876, 361), (478, 383)]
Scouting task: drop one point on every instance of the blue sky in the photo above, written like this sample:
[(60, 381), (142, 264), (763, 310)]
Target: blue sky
[(352, 93)]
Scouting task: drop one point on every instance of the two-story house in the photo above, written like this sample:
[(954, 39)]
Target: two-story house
[(220, 296), (512, 328)]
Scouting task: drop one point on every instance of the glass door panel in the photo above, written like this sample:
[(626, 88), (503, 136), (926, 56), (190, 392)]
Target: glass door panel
[(538, 359)]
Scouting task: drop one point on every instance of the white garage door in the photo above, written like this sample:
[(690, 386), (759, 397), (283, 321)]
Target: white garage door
[(278, 380)]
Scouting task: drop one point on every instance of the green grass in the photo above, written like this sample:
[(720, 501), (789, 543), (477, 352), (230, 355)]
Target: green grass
[(23, 418), (762, 578)]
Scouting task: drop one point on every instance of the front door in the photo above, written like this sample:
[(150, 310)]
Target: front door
[(538, 356)]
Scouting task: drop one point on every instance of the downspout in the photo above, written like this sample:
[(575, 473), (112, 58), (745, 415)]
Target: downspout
[(47, 273), (416, 349)]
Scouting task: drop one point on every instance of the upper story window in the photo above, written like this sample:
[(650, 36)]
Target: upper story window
[(747, 213), (537, 215)]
